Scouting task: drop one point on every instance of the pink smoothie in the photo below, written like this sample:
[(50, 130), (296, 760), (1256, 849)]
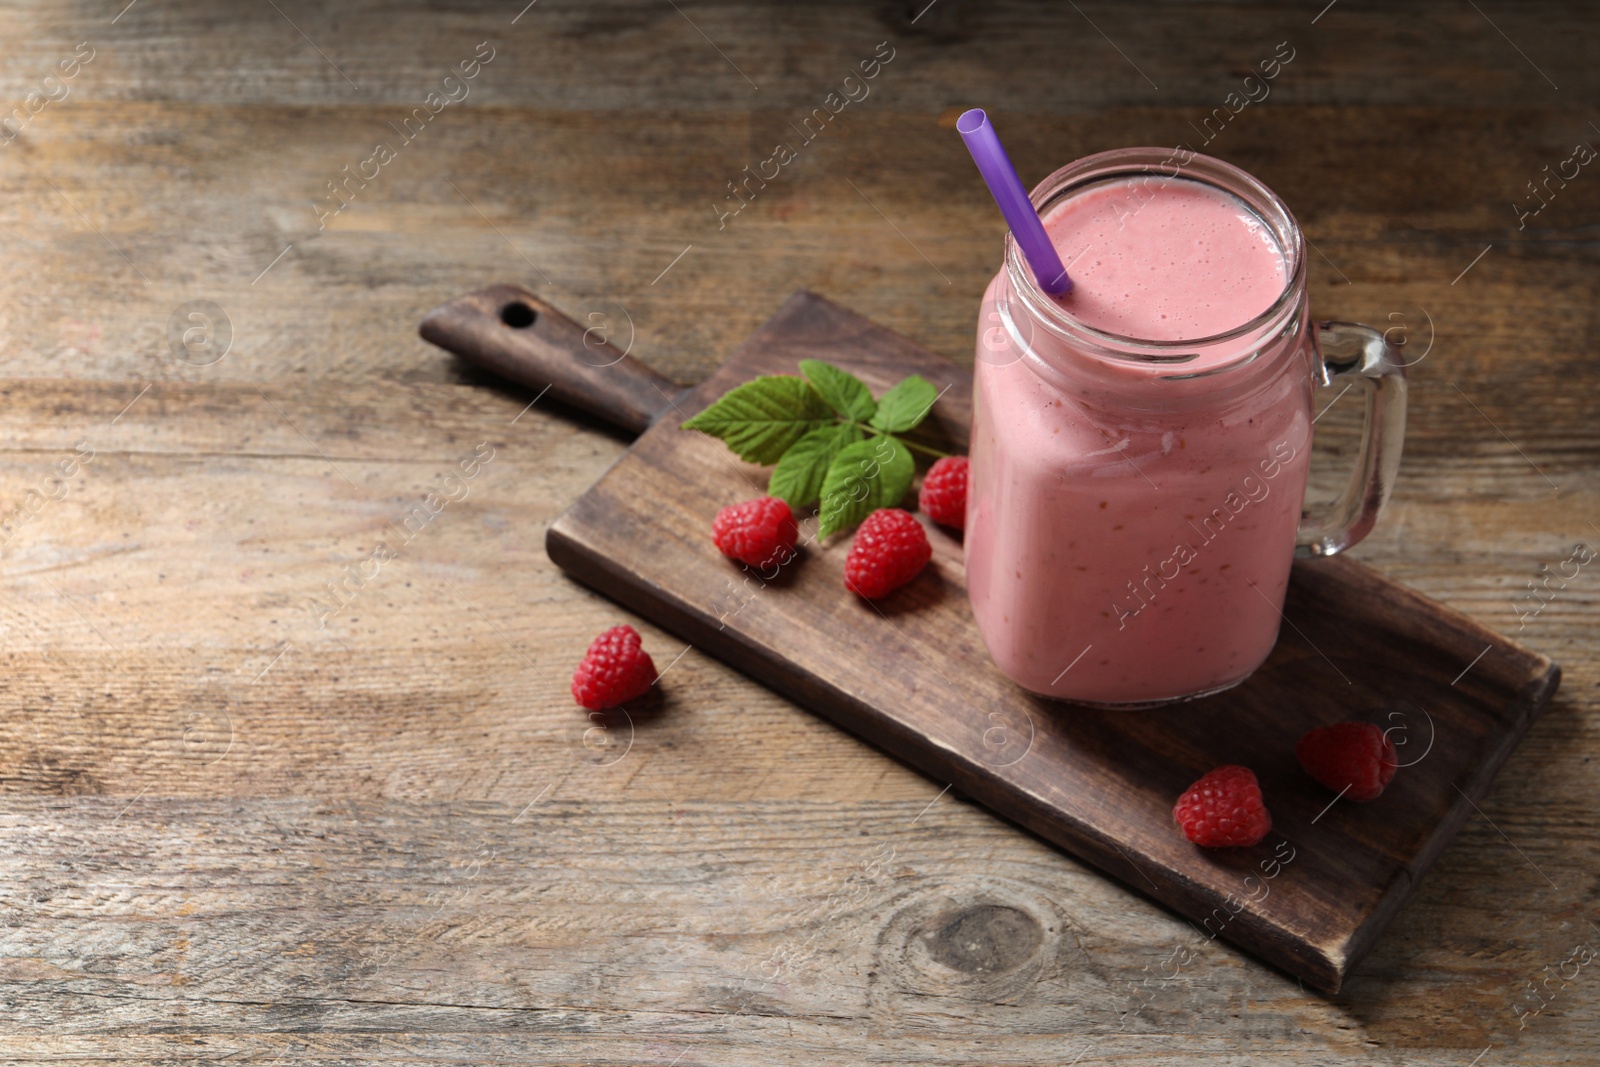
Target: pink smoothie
[(1129, 529), (1165, 263)]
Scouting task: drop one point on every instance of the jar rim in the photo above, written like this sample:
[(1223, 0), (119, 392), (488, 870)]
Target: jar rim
[(1131, 162)]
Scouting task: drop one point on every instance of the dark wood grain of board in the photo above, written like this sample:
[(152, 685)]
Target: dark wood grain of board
[(509, 331)]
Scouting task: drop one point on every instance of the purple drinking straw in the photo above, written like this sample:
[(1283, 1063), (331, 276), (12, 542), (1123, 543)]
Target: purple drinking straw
[(995, 166)]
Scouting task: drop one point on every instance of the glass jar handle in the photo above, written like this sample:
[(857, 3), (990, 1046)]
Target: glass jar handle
[(1360, 354)]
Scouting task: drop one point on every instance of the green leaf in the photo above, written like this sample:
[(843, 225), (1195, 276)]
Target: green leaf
[(844, 392), (864, 477), (798, 476), (905, 405), (760, 419)]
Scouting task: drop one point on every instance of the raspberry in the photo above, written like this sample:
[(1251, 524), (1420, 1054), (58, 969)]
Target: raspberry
[(614, 670), (1224, 808), (889, 550), (943, 497), (1356, 757), (758, 532)]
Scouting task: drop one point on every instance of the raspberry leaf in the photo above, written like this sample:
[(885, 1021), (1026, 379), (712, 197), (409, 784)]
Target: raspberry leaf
[(864, 477), (844, 392), (761, 419), (905, 405), (797, 478)]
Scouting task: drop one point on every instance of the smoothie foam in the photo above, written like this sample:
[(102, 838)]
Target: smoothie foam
[(1165, 263)]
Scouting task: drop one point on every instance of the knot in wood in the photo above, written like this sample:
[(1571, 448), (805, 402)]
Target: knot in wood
[(985, 939)]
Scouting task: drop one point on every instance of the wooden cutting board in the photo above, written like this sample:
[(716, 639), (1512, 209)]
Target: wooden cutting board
[(910, 673)]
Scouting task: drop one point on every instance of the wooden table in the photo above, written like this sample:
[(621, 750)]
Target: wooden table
[(251, 818)]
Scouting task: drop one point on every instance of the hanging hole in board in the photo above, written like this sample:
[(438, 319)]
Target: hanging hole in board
[(517, 315)]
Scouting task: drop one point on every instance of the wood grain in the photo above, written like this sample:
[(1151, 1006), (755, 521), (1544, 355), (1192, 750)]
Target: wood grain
[(592, 149), (510, 332)]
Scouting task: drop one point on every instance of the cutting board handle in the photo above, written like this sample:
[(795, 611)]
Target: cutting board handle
[(510, 331)]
